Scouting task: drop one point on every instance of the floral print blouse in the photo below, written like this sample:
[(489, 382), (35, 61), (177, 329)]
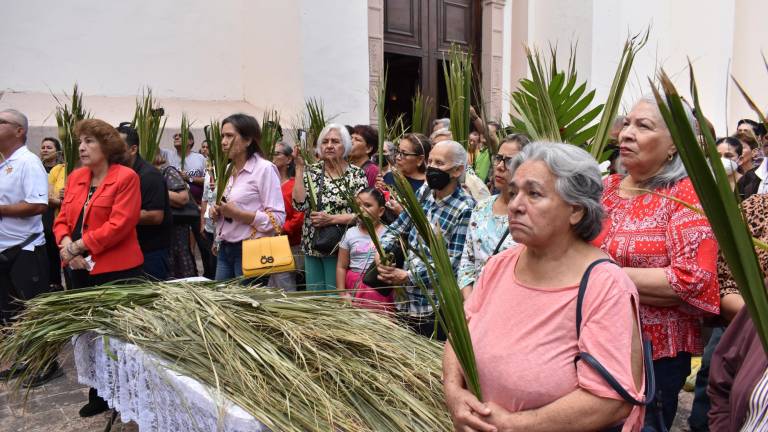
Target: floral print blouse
[(483, 235), (332, 197), (652, 231)]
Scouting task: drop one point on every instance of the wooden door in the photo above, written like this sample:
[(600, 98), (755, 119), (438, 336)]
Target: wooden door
[(417, 36)]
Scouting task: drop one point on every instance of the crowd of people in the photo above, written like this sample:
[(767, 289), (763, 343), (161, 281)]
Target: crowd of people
[(557, 261)]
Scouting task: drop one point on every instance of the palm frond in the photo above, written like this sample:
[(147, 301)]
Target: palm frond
[(631, 47), (550, 106), (220, 165), (717, 200), (184, 135), (421, 112), (270, 132), (67, 116), (458, 81), (381, 115), (450, 304), (149, 121)]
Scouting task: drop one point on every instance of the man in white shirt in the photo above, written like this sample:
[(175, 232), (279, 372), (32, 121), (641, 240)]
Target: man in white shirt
[(23, 200), (193, 171)]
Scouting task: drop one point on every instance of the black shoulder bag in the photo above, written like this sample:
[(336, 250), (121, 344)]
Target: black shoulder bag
[(326, 239), (650, 400)]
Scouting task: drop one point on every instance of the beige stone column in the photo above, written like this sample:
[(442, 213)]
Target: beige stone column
[(492, 58), (375, 51)]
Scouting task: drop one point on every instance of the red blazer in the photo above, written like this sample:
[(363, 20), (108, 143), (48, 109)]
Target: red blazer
[(293, 219), (109, 223)]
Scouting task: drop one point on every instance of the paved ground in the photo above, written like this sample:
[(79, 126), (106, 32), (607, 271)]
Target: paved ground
[(54, 407)]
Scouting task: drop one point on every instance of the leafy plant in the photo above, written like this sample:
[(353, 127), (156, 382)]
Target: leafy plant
[(450, 304), (220, 166), (184, 136), (717, 199), (270, 132), (421, 112), (149, 121), (458, 81), (550, 105), (67, 116)]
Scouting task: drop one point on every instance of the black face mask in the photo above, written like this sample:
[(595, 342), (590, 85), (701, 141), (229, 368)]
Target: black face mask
[(437, 179)]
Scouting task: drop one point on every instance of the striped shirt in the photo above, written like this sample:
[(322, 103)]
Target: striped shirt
[(757, 414), (452, 215)]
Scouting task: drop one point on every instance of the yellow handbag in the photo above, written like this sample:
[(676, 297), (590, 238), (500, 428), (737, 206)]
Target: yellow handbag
[(267, 255)]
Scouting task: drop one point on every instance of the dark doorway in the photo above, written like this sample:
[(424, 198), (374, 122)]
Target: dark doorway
[(404, 77)]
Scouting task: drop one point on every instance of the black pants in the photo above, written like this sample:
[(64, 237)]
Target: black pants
[(22, 277), (206, 256), (670, 373), (54, 260)]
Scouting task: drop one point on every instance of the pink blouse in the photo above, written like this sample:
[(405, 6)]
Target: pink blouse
[(525, 341), (255, 188)]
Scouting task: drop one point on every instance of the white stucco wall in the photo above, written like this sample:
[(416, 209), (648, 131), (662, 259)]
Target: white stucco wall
[(335, 56), (208, 59), (114, 48), (711, 33)]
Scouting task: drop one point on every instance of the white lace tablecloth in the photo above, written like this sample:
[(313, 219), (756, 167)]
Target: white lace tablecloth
[(142, 389)]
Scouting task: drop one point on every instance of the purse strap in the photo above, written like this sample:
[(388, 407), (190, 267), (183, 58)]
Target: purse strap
[(275, 225), (498, 245)]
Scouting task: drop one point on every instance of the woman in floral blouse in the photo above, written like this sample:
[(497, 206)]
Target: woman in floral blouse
[(668, 250), (489, 218), (332, 179)]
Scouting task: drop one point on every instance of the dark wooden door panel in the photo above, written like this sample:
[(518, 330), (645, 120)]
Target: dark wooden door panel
[(405, 24)]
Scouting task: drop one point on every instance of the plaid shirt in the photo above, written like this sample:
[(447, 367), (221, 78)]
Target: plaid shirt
[(452, 215)]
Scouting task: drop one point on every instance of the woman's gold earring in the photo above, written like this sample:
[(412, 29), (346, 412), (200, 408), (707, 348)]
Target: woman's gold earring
[(671, 156)]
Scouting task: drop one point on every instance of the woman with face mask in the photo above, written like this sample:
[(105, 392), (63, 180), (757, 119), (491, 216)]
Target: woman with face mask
[(730, 150)]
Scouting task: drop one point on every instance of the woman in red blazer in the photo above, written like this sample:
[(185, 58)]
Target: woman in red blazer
[(96, 228)]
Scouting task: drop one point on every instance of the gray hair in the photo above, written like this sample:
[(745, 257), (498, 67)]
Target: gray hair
[(346, 139), (458, 153), (19, 118), (445, 123), (673, 170), (577, 180), (441, 132), (287, 147)]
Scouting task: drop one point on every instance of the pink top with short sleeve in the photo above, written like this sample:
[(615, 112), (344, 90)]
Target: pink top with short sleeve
[(524, 337)]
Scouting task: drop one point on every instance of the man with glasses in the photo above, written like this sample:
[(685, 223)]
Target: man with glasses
[(446, 205), (23, 200)]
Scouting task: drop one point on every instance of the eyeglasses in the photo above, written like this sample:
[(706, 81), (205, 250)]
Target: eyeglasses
[(403, 154), (9, 122), (499, 158)]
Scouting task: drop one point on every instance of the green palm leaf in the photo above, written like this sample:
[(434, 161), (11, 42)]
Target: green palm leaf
[(67, 116), (458, 81), (717, 199), (149, 122)]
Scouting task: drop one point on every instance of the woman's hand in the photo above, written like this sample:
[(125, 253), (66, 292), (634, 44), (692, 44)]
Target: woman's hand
[(229, 210), (297, 159), (395, 206), (78, 263), (380, 185), (467, 412), (392, 275), (63, 252), (214, 211), (321, 219)]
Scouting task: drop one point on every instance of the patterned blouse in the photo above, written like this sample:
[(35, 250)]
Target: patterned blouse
[(650, 231), (755, 211), (332, 197), (483, 235)]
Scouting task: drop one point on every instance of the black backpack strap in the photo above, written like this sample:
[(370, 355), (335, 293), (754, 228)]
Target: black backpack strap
[(650, 379)]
